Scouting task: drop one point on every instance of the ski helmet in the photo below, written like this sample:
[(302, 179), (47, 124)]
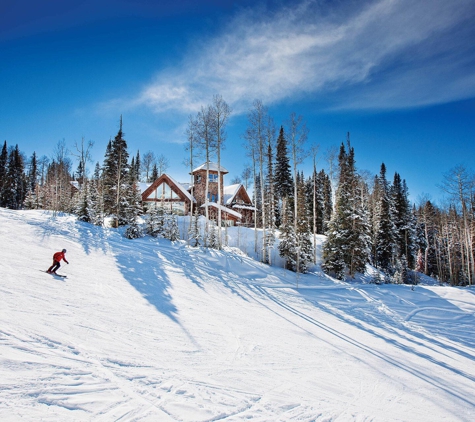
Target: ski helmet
[(64, 250)]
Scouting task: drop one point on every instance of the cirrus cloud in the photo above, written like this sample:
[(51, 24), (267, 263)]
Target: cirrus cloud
[(375, 54)]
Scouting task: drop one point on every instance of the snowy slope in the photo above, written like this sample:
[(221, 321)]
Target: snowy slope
[(143, 330)]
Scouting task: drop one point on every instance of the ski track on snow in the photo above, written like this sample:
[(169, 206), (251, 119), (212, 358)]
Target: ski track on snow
[(148, 330)]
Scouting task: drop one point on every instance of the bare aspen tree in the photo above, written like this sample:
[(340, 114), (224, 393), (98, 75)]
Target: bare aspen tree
[(61, 166), (297, 133), (314, 151), (331, 157), (252, 153), (256, 138), (162, 164), (83, 155), (459, 185), (207, 143), (221, 112), (148, 160), (192, 138), (246, 176)]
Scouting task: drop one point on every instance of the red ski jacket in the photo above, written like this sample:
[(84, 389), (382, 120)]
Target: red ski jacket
[(58, 256)]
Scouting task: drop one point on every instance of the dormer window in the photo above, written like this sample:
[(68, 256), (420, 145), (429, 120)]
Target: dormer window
[(213, 177)]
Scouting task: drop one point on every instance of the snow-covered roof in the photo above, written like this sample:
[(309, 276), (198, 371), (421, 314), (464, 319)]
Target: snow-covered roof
[(211, 167), (223, 209), (229, 192), (186, 185), (244, 207), (182, 189)]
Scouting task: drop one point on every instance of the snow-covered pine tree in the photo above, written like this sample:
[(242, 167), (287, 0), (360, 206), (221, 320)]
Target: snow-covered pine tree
[(303, 236), (156, 224), (269, 208), (115, 178), (14, 188), (3, 172), (283, 182), (95, 202), (385, 229), (327, 199), (82, 205), (194, 231), (173, 231), (133, 209), (138, 167), (212, 235), (288, 237), (402, 216), (428, 214), (346, 250), (31, 199)]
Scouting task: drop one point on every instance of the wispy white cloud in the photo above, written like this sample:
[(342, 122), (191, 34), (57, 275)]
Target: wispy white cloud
[(378, 54)]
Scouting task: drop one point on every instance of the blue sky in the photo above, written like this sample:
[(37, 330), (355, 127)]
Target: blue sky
[(399, 75)]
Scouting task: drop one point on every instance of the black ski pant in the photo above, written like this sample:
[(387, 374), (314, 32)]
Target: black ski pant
[(54, 267)]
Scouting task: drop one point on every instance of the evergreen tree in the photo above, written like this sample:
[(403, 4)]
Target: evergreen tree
[(3, 172), (269, 208), (304, 243), (404, 236), (154, 174), (384, 236), (82, 206), (327, 200), (156, 221), (138, 166), (288, 238), (31, 200), (14, 189), (132, 205), (173, 231), (428, 219), (213, 236), (347, 247), (95, 202), (116, 179), (194, 231), (283, 177)]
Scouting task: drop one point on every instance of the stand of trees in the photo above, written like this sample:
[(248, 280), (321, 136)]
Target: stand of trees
[(367, 220)]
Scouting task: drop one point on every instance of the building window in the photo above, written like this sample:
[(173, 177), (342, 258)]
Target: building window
[(198, 178), (212, 197), (213, 177)]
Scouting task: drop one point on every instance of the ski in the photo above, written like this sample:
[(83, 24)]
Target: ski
[(54, 275)]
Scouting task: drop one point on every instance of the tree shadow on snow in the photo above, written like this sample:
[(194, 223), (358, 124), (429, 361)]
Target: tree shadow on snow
[(351, 308), (137, 261)]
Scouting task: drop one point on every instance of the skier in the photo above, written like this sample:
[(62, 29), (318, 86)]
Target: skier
[(57, 257)]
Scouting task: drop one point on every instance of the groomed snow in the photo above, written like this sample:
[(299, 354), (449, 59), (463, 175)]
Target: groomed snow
[(146, 330)]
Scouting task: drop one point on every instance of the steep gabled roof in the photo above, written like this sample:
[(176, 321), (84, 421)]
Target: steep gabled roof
[(176, 187), (229, 193), (232, 191), (212, 167)]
